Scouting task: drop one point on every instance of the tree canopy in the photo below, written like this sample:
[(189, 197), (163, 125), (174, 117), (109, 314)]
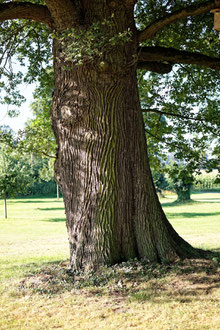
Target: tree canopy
[(169, 32), (173, 35)]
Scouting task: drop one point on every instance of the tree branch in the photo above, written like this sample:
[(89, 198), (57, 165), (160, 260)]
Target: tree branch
[(25, 10), (166, 113), (45, 154), (177, 115), (157, 67), (163, 140), (172, 56), (198, 9)]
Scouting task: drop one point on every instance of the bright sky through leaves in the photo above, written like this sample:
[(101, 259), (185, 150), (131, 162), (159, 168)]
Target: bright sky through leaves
[(18, 122)]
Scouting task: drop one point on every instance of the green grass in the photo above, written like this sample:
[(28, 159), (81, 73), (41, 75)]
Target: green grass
[(37, 292), (34, 233)]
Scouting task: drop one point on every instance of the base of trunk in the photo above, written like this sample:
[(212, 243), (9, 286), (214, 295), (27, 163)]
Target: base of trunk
[(183, 196)]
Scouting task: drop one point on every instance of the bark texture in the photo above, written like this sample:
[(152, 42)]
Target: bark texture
[(113, 212)]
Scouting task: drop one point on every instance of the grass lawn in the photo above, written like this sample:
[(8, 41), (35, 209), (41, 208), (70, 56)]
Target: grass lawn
[(37, 292)]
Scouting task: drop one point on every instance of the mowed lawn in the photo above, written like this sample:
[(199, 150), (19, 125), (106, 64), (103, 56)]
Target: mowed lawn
[(36, 291)]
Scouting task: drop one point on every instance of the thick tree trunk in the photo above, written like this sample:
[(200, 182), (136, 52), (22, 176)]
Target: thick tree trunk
[(112, 209)]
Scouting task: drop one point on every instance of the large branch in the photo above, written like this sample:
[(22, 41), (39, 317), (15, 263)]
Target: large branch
[(198, 9), (25, 10), (177, 115), (172, 56), (157, 67)]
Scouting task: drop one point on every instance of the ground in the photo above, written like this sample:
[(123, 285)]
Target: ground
[(38, 292)]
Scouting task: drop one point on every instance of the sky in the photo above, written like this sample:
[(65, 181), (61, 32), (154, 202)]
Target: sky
[(18, 122)]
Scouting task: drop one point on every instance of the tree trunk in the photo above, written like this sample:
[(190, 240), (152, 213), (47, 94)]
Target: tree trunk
[(58, 194), (5, 206), (112, 210), (183, 195)]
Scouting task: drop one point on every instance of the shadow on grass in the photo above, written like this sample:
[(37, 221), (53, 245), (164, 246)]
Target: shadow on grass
[(210, 191), (51, 209), (13, 270), (190, 215), (183, 282), (171, 204), (177, 203), (192, 202), (55, 220), (32, 201)]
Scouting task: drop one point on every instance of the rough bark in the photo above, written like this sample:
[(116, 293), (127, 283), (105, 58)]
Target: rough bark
[(112, 209), (64, 13)]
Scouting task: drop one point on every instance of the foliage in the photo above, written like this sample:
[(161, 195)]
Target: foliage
[(83, 45), (27, 44), (14, 173), (37, 136), (181, 180), (160, 182), (206, 181), (178, 119), (42, 188), (24, 171), (186, 100), (194, 33), (42, 173)]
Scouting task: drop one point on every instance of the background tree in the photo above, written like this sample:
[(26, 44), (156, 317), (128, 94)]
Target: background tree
[(160, 182), (181, 180), (112, 209), (15, 175)]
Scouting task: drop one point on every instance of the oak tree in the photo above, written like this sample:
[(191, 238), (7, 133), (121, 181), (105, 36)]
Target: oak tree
[(112, 209)]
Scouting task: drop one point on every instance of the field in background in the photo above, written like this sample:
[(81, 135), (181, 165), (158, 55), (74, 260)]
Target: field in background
[(206, 181), (36, 292)]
